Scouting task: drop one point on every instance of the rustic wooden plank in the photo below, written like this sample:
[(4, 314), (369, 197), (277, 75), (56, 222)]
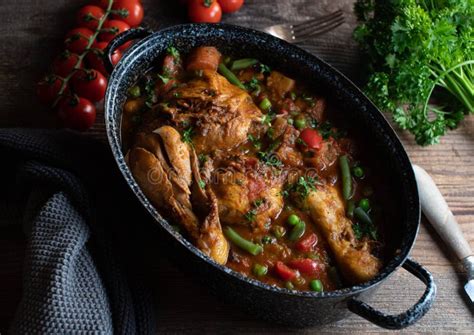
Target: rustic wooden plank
[(32, 32)]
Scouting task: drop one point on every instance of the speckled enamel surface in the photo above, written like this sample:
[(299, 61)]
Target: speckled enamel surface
[(268, 302)]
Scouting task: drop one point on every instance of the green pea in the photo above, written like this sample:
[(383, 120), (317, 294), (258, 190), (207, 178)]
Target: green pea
[(293, 220), (260, 270), (358, 172), (364, 204), (134, 91), (316, 285), (300, 123), (289, 285), (298, 231)]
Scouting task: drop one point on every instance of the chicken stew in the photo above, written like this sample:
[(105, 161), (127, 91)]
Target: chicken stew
[(248, 164)]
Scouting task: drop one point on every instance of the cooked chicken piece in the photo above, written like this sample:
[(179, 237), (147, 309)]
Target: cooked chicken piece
[(247, 198), (287, 151), (165, 169), (153, 180), (177, 151), (211, 239), (354, 257), (221, 113)]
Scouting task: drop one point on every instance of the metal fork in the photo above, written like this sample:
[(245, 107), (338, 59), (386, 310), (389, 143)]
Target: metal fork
[(296, 33)]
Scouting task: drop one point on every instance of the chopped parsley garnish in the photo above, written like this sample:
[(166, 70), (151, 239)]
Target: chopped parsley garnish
[(251, 215), (257, 203), (302, 187), (265, 69), (163, 78), (268, 118), (326, 130), (188, 135), (361, 230), (151, 97), (173, 52), (202, 184), (255, 142), (253, 85), (202, 158), (270, 159)]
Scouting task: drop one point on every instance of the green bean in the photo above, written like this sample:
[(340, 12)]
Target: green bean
[(316, 285), (241, 242), (297, 231), (265, 104), (350, 208), (346, 177), (243, 63), (260, 270), (230, 76), (363, 217)]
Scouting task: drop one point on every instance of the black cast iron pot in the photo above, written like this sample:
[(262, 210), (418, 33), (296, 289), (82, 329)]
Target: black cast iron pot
[(264, 301)]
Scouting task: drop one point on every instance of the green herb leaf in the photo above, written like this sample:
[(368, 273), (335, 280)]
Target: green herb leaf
[(418, 50)]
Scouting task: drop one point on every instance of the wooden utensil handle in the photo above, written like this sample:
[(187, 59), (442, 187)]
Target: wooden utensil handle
[(440, 216)]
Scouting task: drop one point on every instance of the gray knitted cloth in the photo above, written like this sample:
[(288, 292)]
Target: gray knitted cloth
[(62, 187)]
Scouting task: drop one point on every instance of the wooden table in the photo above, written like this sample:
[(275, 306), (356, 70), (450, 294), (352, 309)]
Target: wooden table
[(31, 33)]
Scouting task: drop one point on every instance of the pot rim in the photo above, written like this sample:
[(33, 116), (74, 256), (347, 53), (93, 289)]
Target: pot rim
[(140, 47)]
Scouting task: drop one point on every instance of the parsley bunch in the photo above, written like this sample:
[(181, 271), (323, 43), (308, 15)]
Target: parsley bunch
[(419, 51)]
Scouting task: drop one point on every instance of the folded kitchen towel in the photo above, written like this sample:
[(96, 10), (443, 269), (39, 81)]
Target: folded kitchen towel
[(63, 187)]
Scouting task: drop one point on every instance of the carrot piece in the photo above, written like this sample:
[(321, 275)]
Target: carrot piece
[(204, 58)]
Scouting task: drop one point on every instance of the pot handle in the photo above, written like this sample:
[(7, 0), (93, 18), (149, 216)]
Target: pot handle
[(119, 40), (410, 316)]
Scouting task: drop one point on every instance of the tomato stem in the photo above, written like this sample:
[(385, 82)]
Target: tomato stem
[(84, 53)]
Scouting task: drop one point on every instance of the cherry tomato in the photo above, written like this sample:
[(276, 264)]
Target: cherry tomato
[(284, 272), (131, 12), (65, 63), (90, 84), (112, 28), (304, 265), (77, 39), (95, 56), (89, 16), (230, 6), (48, 89), (312, 138), (307, 243), (77, 113), (204, 11)]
